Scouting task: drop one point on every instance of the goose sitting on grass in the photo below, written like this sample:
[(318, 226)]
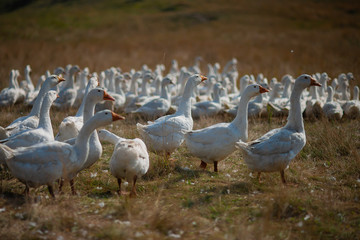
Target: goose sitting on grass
[(275, 150), (130, 159)]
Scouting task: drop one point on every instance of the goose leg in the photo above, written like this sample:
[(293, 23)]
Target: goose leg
[(133, 190), (26, 191), (72, 185), (119, 183), (282, 172), (259, 177), (215, 166), (61, 184), (51, 191), (203, 165)]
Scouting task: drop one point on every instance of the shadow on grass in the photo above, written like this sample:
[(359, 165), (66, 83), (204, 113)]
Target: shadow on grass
[(13, 199), (101, 195)]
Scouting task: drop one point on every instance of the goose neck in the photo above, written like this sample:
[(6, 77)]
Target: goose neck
[(185, 103), (44, 121), (35, 111), (295, 119), (241, 119)]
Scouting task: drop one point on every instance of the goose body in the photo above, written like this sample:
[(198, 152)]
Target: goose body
[(208, 108), (31, 121), (71, 125), (11, 95), (44, 131), (44, 163), (67, 95), (352, 108), (160, 105), (332, 109), (274, 150), (130, 159), (214, 143), (167, 133)]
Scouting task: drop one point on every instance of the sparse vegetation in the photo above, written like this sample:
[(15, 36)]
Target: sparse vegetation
[(177, 199)]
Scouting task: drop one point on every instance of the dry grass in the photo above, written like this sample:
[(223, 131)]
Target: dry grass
[(322, 201)]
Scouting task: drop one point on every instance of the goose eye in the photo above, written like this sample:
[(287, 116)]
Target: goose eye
[(98, 90), (306, 77), (254, 86), (106, 113)]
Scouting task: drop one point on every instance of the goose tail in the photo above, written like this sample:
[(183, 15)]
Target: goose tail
[(6, 153), (3, 134)]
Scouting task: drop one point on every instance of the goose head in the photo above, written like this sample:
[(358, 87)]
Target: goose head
[(27, 69), (305, 80), (99, 94), (74, 69), (254, 90), (53, 80), (167, 81), (59, 70), (196, 79), (51, 95), (106, 117)]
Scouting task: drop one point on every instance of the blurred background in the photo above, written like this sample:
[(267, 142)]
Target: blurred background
[(272, 37)]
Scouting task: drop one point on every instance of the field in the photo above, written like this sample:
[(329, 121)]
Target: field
[(177, 199)]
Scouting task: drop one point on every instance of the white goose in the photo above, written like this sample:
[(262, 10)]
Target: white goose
[(31, 96), (274, 151), (158, 106), (31, 121), (167, 133), (67, 95), (208, 108), (332, 109), (27, 84), (130, 159), (44, 131), (10, 95), (214, 143), (44, 163), (71, 125), (352, 108)]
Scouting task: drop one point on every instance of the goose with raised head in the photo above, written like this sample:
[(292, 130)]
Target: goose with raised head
[(31, 121), (214, 143), (81, 88), (71, 125), (275, 150), (332, 109), (352, 108), (94, 96), (44, 163), (129, 160), (10, 95), (44, 131), (27, 84), (67, 94), (167, 133), (158, 106), (31, 96), (208, 108), (142, 97)]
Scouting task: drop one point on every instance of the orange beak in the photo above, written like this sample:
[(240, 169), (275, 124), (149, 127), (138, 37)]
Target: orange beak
[(263, 90), (314, 82), (60, 79), (108, 97), (116, 117), (203, 78)]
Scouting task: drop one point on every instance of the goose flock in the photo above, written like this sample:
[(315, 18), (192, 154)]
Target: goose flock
[(169, 100)]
